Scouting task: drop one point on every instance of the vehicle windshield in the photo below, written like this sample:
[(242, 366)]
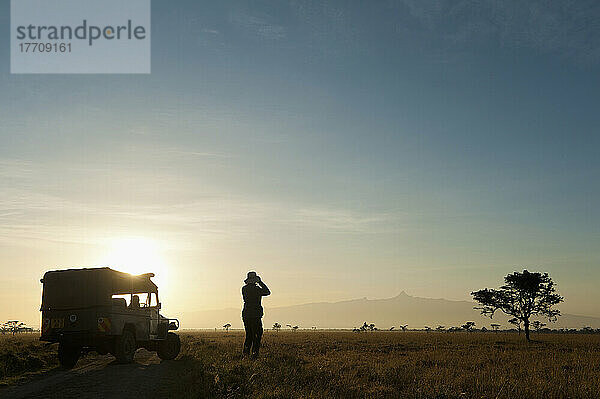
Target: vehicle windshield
[(146, 299)]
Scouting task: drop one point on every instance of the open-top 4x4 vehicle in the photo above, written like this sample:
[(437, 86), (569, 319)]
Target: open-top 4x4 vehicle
[(107, 311)]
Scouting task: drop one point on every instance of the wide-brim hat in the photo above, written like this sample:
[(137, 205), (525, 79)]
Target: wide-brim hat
[(251, 278)]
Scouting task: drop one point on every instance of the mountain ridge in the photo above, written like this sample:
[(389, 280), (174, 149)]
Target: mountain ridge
[(401, 309)]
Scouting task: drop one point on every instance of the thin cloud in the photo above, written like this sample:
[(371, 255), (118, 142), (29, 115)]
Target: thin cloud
[(342, 220), (257, 25), (202, 154), (26, 214), (15, 168)]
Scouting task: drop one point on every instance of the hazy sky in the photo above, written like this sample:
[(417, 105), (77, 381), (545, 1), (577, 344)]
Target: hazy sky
[(339, 150)]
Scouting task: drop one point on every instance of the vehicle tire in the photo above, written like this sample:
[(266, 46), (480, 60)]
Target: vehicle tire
[(68, 355), (169, 348), (102, 351), (125, 347)]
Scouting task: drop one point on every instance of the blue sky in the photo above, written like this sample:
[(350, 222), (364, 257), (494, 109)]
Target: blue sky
[(341, 150)]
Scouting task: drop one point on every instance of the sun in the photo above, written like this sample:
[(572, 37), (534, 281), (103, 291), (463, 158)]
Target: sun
[(137, 255)]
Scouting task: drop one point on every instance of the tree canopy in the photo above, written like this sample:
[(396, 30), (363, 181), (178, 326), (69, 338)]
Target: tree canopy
[(523, 295)]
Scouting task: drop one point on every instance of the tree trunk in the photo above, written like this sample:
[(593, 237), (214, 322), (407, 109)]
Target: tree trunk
[(526, 324)]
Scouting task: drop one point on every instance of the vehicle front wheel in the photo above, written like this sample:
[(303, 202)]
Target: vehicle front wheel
[(125, 347), (169, 348), (68, 355)]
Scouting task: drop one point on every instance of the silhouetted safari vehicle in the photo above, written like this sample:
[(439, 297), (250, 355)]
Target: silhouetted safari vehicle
[(99, 309)]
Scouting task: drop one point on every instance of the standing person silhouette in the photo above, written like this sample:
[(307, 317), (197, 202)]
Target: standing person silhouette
[(252, 293)]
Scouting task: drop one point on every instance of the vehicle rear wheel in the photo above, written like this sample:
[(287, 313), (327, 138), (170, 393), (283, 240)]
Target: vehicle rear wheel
[(169, 348), (103, 347), (68, 355), (102, 351), (125, 347)]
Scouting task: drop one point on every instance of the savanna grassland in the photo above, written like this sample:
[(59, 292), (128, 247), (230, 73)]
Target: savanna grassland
[(323, 364), (343, 364), (22, 355)]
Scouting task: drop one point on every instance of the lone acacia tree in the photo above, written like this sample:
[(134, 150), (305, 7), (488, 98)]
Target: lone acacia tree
[(523, 295), (468, 326)]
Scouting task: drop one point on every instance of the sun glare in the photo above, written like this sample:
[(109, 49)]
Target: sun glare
[(137, 255)]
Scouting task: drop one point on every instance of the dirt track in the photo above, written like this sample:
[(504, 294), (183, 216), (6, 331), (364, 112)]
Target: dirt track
[(101, 377)]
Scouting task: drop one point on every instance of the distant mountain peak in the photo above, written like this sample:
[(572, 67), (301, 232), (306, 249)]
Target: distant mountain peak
[(415, 311)]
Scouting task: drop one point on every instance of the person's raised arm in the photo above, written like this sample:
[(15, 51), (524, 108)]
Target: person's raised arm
[(264, 289)]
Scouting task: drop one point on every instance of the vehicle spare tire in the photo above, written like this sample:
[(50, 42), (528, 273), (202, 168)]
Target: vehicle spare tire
[(68, 355), (170, 347), (125, 347)]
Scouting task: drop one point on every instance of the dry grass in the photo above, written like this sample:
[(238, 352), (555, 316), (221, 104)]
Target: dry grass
[(318, 364), (22, 355), (338, 364)]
